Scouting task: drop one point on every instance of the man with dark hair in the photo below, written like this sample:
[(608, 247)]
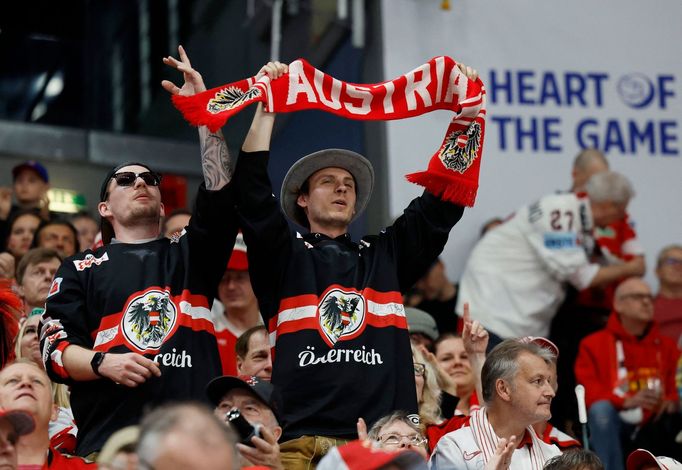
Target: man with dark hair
[(253, 353), (517, 384), (58, 235), (34, 276), (127, 326), (334, 306)]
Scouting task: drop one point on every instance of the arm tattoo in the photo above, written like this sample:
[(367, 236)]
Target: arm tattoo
[(216, 163)]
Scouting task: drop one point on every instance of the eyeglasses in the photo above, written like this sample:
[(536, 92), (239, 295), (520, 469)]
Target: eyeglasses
[(671, 261), (128, 178), (419, 369), (640, 297), (394, 440)]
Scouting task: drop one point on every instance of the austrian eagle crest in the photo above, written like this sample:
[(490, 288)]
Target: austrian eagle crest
[(460, 149), (230, 98), (341, 314), (148, 319)]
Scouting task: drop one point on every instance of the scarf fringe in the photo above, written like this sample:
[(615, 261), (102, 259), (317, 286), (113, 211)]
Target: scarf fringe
[(447, 187), (194, 112)]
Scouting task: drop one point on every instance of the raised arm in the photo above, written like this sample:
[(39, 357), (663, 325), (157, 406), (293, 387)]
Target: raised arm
[(216, 163), (260, 132)]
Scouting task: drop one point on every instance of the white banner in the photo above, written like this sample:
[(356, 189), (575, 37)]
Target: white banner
[(560, 76)]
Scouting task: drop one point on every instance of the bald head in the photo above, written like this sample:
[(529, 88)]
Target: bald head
[(587, 163), (633, 302)]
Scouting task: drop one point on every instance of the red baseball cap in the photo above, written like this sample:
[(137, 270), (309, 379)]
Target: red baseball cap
[(641, 457)]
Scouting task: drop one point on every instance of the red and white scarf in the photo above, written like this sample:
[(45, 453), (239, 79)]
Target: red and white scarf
[(453, 170)]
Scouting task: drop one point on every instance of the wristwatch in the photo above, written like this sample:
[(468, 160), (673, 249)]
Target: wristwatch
[(96, 361)]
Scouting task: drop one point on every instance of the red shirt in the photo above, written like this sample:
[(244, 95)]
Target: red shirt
[(668, 314)]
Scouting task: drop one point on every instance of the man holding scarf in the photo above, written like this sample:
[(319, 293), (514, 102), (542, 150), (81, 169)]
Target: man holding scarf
[(333, 306)]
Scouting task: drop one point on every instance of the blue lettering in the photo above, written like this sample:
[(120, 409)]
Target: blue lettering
[(501, 86), (551, 134), (502, 121), (575, 88), (668, 139), (614, 137), (550, 90), (599, 79), (584, 137), (664, 91), (531, 133), (525, 87), (645, 137)]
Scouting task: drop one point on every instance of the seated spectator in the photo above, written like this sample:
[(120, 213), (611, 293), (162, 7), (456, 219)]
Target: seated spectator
[(544, 429), (20, 232), (517, 390), (253, 353), (186, 436), (628, 370), (255, 401), (62, 430), (641, 459), (87, 228), (668, 301), (399, 430), (120, 450), (58, 235), (422, 328), (25, 386), (176, 222), (454, 360), (27, 344), (236, 308), (435, 294), (34, 277), (13, 425), (576, 459), (516, 275)]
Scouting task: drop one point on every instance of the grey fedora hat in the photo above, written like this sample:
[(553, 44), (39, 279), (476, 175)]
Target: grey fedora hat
[(298, 174)]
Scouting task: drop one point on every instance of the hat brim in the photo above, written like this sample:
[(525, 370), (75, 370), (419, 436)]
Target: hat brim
[(640, 457), (298, 174), (22, 422)]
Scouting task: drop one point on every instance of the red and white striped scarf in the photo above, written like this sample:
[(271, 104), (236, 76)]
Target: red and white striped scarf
[(453, 170)]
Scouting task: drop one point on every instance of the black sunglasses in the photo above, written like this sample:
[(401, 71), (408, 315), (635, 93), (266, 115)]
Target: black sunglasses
[(128, 178)]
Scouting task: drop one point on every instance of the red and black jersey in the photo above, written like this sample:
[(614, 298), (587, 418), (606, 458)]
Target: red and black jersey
[(152, 298), (334, 307)]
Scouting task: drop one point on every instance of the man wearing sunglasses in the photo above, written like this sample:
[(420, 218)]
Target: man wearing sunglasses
[(128, 325)]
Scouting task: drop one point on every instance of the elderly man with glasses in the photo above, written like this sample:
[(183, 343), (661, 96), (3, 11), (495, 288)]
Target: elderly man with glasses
[(628, 370), (127, 326)]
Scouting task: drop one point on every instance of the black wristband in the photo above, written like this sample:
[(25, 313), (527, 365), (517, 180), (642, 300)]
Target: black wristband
[(96, 361)]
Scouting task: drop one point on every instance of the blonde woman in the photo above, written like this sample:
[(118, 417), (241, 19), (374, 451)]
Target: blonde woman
[(63, 430)]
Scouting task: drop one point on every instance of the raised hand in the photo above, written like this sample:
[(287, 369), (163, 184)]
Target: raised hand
[(5, 202), (503, 454), (194, 83), (265, 450), (471, 73), (474, 336), (273, 70)]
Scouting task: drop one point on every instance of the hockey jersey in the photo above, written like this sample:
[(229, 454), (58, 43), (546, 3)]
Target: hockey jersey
[(334, 307), (151, 298)]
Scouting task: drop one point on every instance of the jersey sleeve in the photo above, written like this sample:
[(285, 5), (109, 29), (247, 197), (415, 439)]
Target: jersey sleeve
[(419, 235), (267, 234), (64, 322)]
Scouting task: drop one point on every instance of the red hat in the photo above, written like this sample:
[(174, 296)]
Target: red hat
[(640, 457), (21, 421), (238, 260), (542, 342), (360, 455)]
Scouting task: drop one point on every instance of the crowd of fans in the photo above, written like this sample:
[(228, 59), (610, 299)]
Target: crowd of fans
[(221, 337)]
